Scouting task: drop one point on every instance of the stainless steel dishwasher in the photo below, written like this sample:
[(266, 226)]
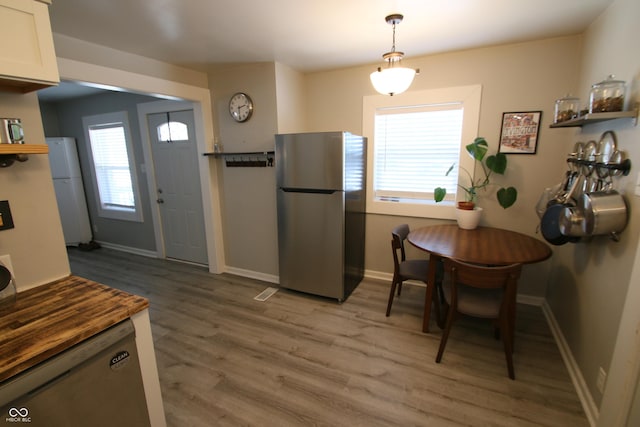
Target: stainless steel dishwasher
[(95, 383)]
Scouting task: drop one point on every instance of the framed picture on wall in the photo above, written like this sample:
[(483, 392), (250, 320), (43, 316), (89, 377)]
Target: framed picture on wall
[(519, 134)]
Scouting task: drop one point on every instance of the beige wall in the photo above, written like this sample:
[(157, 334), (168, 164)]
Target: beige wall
[(517, 77), (590, 281), (248, 194), (290, 98), (36, 244)]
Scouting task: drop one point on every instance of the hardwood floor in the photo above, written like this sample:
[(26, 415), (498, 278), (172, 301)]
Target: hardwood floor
[(225, 359)]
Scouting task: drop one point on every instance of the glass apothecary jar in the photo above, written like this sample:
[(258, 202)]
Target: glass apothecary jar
[(607, 96), (567, 108)]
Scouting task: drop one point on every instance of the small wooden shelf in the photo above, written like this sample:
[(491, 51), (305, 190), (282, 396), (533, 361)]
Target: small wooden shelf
[(24, 149)]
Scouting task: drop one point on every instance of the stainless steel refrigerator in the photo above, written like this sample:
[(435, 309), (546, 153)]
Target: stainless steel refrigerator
[(321, 212)]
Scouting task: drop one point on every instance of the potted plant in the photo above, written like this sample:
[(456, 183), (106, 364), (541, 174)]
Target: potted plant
[(492, 164)]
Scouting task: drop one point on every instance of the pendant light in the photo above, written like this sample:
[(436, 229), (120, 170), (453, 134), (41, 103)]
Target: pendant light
[(393, 79)]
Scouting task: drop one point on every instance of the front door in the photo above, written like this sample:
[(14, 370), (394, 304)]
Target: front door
[(175, 159)]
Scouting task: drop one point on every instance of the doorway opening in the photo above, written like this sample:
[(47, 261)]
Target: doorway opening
[(203, 194)]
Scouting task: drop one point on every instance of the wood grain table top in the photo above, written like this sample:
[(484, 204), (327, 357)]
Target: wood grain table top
[(49, 319), (483, 245)]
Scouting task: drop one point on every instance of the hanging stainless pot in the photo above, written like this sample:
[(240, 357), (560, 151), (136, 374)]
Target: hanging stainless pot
[(605, 212)]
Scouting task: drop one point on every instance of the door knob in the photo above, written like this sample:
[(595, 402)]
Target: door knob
[(160, 200)]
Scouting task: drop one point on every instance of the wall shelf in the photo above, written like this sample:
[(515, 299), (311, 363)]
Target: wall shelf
[(23, 149), (10, 153), (598, 117), (246, 159)]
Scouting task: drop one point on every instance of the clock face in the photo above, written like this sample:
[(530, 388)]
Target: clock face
[(240, 107)]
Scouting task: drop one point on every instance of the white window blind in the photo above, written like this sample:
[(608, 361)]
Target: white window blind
[(414, 148), (111, 162)]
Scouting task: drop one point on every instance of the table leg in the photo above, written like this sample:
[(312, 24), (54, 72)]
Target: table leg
[(511, 313), (428, 299)]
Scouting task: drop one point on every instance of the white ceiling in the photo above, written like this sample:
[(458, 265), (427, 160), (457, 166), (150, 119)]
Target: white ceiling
[(308, 35), (311, 35)]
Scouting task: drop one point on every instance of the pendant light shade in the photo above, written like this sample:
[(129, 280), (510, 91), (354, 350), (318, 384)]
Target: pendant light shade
[(393, 79), (390, 81)]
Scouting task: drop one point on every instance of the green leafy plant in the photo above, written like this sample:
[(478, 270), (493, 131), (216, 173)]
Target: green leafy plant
[(493, 164)]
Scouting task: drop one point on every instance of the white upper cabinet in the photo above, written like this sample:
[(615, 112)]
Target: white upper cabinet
[(27, 56)]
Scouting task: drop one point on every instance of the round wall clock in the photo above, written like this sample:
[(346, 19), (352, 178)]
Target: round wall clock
[(240, 107)]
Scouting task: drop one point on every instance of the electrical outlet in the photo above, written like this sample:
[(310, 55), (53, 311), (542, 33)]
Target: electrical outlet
[(637, 191), (602, 378)]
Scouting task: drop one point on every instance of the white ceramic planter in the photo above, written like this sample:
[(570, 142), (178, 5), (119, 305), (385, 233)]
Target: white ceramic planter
[(468, 219)]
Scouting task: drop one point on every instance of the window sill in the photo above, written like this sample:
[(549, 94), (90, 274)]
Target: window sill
[(442, 210)]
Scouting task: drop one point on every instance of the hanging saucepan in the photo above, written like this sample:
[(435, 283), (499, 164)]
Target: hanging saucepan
[(550, 222), (605, 212)]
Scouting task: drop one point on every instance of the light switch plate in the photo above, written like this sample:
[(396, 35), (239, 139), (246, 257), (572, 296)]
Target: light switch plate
[(637, 191)]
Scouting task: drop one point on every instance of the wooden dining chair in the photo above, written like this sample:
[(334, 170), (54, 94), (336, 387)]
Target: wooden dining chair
[(406, 269), (484, 292)]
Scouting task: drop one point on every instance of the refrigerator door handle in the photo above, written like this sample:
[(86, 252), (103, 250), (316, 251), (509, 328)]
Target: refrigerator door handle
[(307, 190)]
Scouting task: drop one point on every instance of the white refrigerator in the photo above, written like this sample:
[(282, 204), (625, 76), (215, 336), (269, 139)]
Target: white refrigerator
[(67, 181)]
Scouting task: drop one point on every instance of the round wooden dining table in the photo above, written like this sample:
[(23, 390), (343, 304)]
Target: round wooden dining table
[(483, 245)]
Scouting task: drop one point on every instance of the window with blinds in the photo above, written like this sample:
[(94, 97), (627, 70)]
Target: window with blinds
[(414, 148), (413, 140), (111, 162), (111, 154)]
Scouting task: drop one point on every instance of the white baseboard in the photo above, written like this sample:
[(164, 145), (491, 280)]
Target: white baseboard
[(589, 406), (270, 278), (530, 300), (378, 275), (136, 251)]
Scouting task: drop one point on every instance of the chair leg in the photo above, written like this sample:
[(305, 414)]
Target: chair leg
[(399, 288), (440, 292), (391, 295), (445, 333)]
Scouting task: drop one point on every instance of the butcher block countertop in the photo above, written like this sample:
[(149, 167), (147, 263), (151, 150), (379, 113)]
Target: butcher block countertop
[(47, 320)]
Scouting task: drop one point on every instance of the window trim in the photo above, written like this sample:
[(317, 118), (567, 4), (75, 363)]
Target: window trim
[(101, 119), (470, 98)]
